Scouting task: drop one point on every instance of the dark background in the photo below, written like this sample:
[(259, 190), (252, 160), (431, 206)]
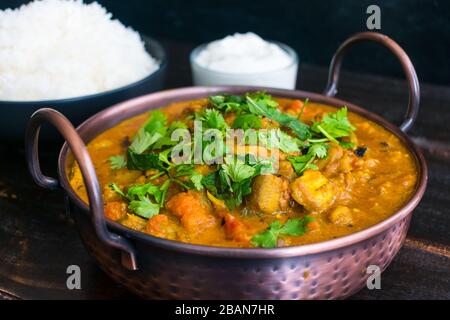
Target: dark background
[(313, 28), (38, 240)]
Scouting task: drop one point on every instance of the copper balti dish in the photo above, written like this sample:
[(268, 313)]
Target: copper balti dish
[(157, 268)]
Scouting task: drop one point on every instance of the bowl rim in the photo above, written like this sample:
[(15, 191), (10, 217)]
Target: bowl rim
[(146, 40), (139, 105), (289, 50)]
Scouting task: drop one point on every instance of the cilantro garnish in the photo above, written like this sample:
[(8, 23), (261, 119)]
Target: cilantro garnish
[(118, 162), (292, 227), (232, 181), (157, 123), (335, 125), (139, 196), (288, 143), (260, 106), (152, 146), (188, 171), (247, 121), (228, 103), (279, 139), (144, 161), (238, 171), (144, 207), (116, 188), (304, 162), (143, 140), (212, 119), (332, 127), (153, 130)]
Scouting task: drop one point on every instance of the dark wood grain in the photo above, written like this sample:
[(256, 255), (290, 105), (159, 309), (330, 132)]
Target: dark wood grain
[(38, 240)]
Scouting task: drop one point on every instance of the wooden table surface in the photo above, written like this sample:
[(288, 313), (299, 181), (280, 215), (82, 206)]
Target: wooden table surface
[(38, 239)]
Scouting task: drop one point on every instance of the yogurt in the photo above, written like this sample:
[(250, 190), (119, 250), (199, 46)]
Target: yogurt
[(244, 59)]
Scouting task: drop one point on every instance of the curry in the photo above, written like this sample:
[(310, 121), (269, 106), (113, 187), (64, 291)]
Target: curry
[(264, 172)]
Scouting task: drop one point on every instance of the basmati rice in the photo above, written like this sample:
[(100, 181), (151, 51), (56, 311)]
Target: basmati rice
[(54, 49)]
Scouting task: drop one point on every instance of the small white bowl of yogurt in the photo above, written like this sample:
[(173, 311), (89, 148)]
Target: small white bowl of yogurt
[(244, 59)]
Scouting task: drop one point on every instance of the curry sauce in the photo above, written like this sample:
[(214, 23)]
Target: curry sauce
[(366, 175)]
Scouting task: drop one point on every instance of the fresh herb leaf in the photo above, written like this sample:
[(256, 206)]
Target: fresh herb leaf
[(163, 156), (299, 128), (262, 99), (295, 227), (304, 162), (138, 197), (212, 119), (143, 140), (288, 143), (209, 182), (305, 103), (228, 103), (292, 227), (176, 125), (118, 162), (232, 181), (116, 188), (164, 188), (140, 191), (261, 104), (334, 125), (247, 121), (347, 144), (260, 107), (326, 134), (166, 141), (153, 133), (318, 150), (157, 123), (145, 161), (144, 207), (184, 170), (162, 142), (279, 139), (265, 239), (238, 104), (237, 170), (265, 166), (194, 177)]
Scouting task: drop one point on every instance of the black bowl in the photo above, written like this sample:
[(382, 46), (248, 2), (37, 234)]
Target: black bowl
[(14, 115)]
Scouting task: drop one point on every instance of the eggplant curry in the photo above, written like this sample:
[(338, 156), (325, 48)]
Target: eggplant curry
[(249, 171)]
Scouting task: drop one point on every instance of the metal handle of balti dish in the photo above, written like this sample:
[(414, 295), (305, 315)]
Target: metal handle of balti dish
[(408, 68), (81, 155)]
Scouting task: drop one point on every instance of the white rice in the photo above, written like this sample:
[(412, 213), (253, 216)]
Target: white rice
[(55, 49)]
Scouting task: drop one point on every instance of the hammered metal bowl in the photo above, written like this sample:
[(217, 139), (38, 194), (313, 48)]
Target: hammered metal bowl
[(157, 268)]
